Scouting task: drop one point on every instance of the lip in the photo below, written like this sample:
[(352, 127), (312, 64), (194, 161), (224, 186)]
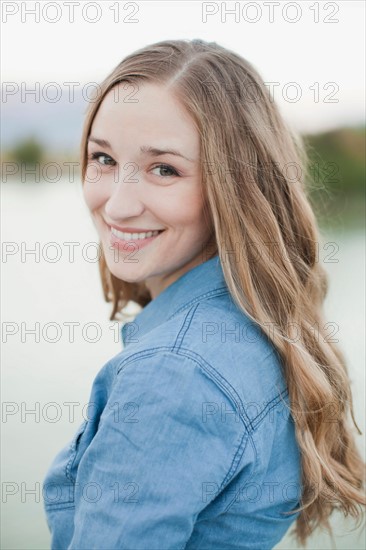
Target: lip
[(130, 245), (132, 229)]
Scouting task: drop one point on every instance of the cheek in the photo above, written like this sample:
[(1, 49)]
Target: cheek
[(181, 210), (94, 195), (194, 212)]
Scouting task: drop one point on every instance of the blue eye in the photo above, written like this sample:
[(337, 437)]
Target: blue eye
[(164, 168), (108, 161)]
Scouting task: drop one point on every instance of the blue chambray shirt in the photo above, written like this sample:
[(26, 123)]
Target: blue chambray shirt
[(189, 443)]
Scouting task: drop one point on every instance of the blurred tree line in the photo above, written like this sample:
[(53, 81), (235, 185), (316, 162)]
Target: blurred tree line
[(29, 152), (337, 175), (336, 171)]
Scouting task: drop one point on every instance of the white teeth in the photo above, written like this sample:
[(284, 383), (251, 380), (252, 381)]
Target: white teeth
[(133, 236)]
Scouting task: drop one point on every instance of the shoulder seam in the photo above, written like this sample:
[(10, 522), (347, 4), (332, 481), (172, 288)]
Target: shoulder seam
[(184, 327), (206, 296), (220, 382)]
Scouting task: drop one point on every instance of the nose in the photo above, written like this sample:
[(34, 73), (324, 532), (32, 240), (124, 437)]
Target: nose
[(124, 201)]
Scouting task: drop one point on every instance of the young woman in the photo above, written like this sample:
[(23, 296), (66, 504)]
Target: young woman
[(225, 418)]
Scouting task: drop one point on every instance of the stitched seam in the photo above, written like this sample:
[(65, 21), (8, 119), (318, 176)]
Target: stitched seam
[(270, 405), (220, 381), (236, 459), (206, 296), (74, 450), (215, 376), (60, 506), (135, 356), (251, 477), (185, 326)]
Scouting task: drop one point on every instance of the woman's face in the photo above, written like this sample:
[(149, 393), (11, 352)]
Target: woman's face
[(135, 185)]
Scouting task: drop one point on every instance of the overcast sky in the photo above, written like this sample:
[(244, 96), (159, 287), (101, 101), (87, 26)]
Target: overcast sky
[(321, 50)]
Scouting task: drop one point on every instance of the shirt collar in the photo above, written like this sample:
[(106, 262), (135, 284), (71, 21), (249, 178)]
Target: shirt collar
[(199, 280)]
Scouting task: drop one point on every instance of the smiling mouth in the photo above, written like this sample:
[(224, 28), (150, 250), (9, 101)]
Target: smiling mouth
[(131, 242), (143, 235)]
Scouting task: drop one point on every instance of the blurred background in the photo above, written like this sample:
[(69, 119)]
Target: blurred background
[(310, 54)]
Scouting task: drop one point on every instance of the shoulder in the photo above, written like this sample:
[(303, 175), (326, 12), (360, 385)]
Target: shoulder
[(179, 406), (211, 343), (182, 380), (227, 344), (235, 347)]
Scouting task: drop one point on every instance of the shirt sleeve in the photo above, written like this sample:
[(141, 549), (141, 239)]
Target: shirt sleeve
[(162, 452)]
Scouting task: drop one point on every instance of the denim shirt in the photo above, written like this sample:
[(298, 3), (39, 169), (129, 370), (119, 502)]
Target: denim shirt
[(189, 443)]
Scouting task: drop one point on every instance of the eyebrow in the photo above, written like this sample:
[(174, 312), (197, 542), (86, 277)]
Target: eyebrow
[(145, 149)]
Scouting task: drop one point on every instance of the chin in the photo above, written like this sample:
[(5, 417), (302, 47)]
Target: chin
[(126, 275)]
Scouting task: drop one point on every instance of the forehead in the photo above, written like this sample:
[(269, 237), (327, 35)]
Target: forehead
[(144, 111)]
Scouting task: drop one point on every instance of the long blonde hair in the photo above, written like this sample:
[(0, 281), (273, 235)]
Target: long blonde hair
[(255, 174)]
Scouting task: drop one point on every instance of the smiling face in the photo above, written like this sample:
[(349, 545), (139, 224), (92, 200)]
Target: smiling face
[(133, 185)]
